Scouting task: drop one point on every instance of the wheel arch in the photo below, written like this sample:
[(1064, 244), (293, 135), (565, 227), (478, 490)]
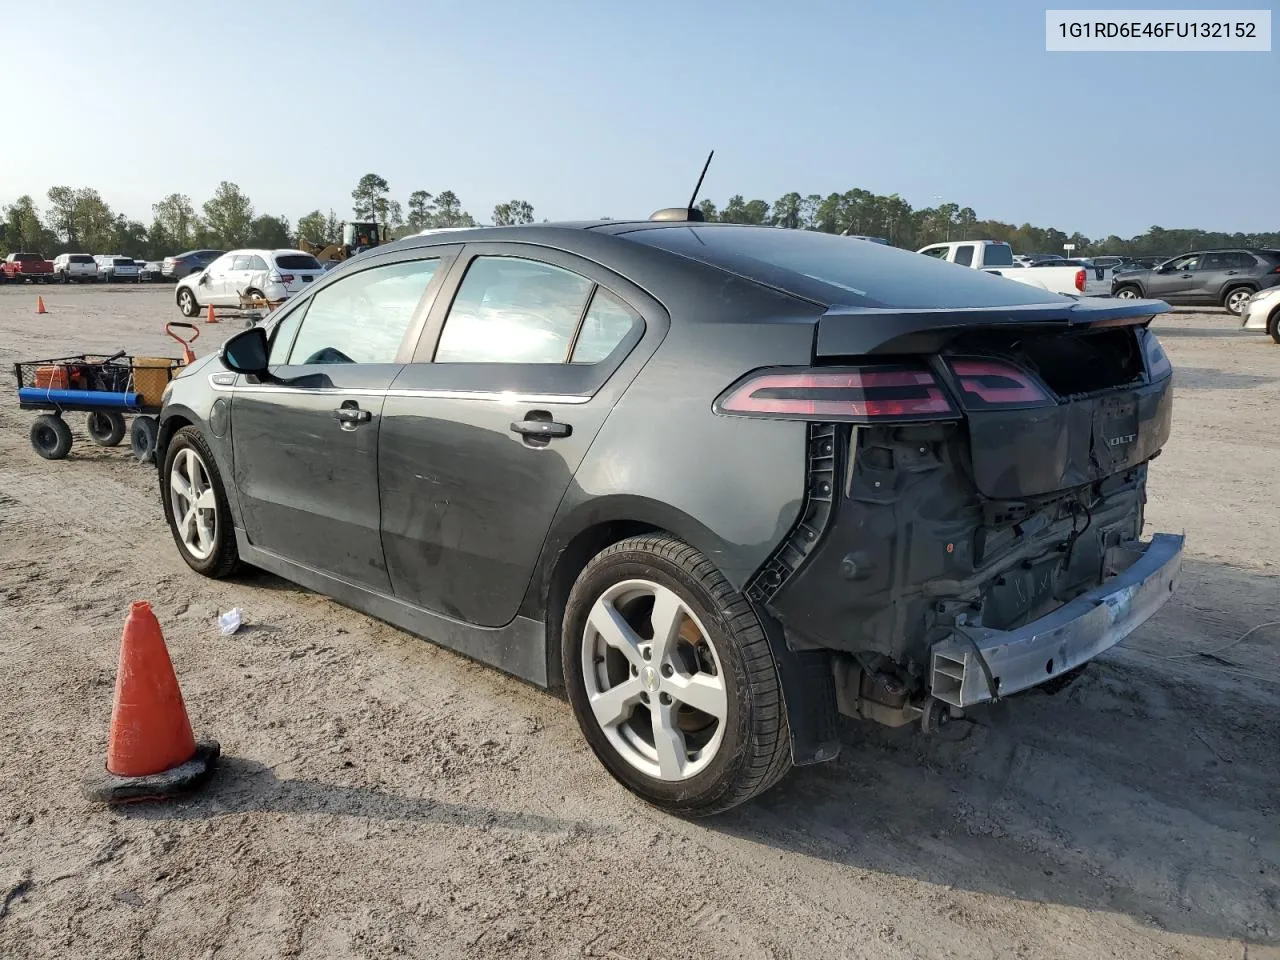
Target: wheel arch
[(1233, 286)]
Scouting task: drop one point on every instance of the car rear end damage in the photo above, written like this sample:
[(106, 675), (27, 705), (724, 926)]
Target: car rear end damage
[(976, 484)]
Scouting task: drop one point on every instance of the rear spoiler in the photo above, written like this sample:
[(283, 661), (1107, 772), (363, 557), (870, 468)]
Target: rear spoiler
[(852, 331)]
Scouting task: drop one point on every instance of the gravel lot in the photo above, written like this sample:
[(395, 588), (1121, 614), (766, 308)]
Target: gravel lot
[(380, 796)]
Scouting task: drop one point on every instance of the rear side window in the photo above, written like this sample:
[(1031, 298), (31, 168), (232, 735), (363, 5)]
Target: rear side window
[(997, 255), (607, 323), (297, 261), (257, 263), (1239, 260), (363, 317), (964, 255), (510, 310), (857, 274)]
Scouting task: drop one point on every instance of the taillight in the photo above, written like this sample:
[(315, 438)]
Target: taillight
[(1276, 270), (858, 394), (1158, 365), (993, 384), (1080, 279), (286, 278)]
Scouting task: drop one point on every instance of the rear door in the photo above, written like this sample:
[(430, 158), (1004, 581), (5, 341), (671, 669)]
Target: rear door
[(482, 433), (305, 449)]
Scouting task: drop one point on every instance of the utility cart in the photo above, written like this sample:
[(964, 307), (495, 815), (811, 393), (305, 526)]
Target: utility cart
[(107, 388)]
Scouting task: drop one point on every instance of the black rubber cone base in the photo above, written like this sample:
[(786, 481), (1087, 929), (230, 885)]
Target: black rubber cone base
[(106, 787)]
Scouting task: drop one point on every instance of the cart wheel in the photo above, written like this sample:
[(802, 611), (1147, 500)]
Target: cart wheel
[(142, 436), (106, 427), (50, 436)]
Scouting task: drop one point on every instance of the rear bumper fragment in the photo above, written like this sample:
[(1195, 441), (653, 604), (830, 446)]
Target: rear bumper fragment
[(1066, 638)]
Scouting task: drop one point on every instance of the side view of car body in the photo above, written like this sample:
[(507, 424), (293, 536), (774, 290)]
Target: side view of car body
[(720, 483), (1226, 278), (192, 261), (274, 275), (1261, 312)]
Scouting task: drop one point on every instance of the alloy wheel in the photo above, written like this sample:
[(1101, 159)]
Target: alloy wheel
[(1236, 299), (654, 681), (195, 508)]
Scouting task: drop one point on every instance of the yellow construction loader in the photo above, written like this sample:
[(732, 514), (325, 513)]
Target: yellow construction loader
[(357, 236)]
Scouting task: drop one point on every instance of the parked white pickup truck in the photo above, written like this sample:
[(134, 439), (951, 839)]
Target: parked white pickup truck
[(996, 256)]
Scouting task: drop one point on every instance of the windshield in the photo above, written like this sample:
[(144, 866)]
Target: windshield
[(858, 274)]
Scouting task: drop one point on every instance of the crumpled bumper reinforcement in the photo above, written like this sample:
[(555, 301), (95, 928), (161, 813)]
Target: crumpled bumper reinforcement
[(1071, 635)]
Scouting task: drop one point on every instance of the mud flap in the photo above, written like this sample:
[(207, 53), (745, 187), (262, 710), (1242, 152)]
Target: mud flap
[(808, 695)]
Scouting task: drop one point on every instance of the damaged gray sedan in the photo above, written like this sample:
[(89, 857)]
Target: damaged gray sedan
[(719, 483)]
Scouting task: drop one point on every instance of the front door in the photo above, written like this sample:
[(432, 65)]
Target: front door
[(305, 446), (481, 439), (213, 290), (1174, 279)]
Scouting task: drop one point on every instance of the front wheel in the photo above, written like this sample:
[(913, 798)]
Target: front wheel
[(1234, 300), (106, 427), (1128, 293), (671, 678), (195, 505), (187, 302), (50, 436), (1273, 325)]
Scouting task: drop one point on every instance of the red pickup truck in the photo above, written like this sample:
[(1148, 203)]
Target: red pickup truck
[(27, 266)]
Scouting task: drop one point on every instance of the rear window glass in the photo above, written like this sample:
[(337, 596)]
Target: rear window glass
[(854, 273), (25, 257), (297, 261), (998, 255), (123, 262), (81, 258)]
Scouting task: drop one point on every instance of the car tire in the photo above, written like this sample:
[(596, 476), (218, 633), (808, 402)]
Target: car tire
[(254, 292), (1128, 292), (1233, 300), (715, 652), (50, 436), (105, 427), (1273, 325), (189, 459), (187, 303)]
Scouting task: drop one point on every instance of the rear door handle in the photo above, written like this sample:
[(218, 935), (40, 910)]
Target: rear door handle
[(534, 428), (351, 415)]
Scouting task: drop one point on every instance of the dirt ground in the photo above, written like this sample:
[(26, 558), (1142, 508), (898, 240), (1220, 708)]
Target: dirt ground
[(382, 797)]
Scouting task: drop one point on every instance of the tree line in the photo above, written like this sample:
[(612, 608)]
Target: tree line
[(80, 220)]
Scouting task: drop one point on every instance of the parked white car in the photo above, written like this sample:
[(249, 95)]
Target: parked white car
[(1261, 312), (995, 256), (74, 268), (112, 267), (273, 275)]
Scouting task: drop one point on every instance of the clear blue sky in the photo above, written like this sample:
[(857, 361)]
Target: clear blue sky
[(603, 108)]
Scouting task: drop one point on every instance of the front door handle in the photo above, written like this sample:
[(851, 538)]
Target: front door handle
[(350, 414), (538, 427)]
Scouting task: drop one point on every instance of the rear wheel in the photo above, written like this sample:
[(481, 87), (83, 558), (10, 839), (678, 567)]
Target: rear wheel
[(195, 506), (187, 302), (142, 439), (50, 436), (106, 427), (1234, 299), (671, 678), (1273, 325), (1128, 292)]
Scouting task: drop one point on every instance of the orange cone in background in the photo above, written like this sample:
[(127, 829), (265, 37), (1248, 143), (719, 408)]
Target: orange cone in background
[(211, 318), (40, 305), (151, 752)]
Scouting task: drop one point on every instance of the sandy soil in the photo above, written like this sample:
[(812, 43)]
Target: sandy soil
[(381, 797)]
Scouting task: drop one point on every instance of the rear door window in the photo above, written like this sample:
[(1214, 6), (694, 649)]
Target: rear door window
[(363, 317), (964, 255), (512, 310), (997, 255)]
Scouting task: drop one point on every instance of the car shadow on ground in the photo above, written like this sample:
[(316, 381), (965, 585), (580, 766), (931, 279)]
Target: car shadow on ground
[(1148, 787), (239, 785), (1208, 378)]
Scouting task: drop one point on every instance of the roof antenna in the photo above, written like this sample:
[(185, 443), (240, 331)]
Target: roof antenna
[(700, 178), (689, 213)]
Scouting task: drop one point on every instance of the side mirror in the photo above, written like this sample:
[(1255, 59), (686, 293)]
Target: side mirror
[(246, 353)]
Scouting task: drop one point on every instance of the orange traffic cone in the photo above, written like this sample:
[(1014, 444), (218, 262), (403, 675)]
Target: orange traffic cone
[(152, 752), (211, 318), (40, 305)]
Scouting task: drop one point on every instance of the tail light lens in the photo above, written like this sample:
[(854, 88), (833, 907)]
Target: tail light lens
[(1158, 364), (1080, 279), (996, 385), (855, 394)]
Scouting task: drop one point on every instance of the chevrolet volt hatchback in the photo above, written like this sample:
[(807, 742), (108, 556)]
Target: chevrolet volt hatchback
[(722, 483)]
